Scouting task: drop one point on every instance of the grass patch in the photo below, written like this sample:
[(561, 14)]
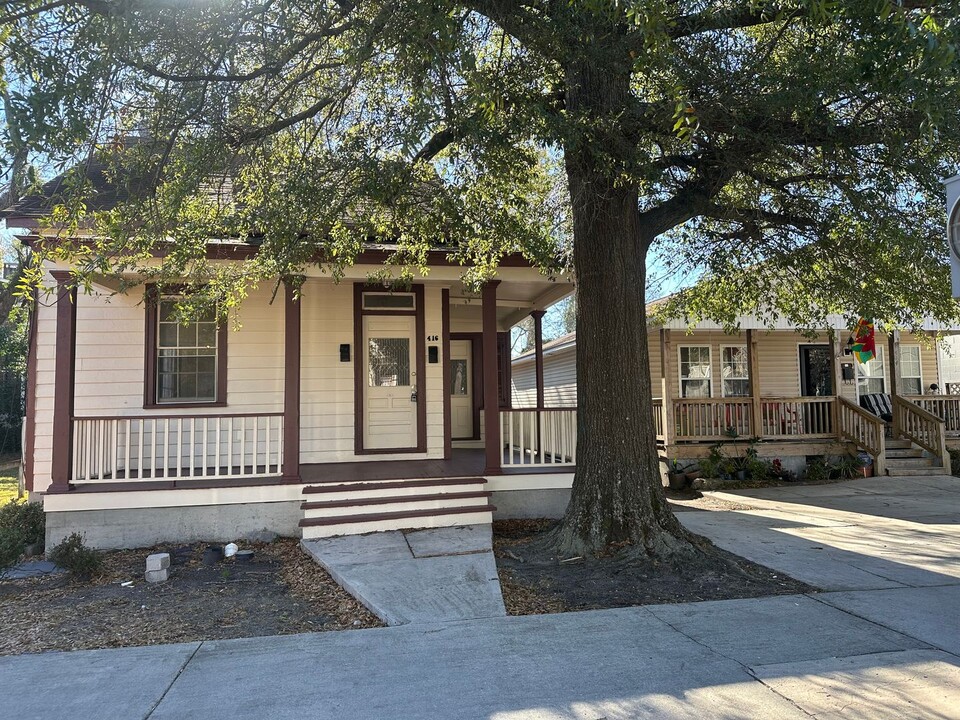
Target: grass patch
[(8, 489)]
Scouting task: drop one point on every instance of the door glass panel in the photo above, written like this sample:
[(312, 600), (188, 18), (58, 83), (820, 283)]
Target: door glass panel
[(389, 363), (458, 377)]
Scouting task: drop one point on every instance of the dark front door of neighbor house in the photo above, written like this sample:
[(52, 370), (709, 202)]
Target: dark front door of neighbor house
[(816, 370)]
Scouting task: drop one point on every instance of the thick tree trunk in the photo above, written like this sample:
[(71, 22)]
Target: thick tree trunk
[(617, 493)]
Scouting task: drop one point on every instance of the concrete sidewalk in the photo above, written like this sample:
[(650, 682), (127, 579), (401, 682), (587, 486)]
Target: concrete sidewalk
[(832, 655)]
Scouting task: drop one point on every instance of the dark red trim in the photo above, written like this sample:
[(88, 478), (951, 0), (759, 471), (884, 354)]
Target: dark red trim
[(476, 362), (151, 297), (537, 316), (421, 330), (64, 382), (238, 251), (491, 395), (338, 486), (358, 380), (291, 384), (30, 407), (445, 359)]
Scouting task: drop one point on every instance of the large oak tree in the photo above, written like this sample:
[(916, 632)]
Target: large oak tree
[(792, 148)]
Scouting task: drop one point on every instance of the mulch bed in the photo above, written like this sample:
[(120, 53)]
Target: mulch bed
[(534, 581), (281, 591)]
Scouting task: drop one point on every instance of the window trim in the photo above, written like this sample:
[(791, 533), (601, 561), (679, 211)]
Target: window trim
[(919, 365), (680, 377), (880, 355), (746, 349), (151, 304)]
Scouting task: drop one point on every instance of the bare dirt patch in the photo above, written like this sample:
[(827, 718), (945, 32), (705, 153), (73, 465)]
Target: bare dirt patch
[(282, 591), (534, 581)]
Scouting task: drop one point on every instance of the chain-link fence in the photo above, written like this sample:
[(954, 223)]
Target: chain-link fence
[(12, 397)]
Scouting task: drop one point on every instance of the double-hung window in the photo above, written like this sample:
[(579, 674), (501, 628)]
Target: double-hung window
[(734, 371), (187, 356), (911, 377), (696, 377), (870, 375)]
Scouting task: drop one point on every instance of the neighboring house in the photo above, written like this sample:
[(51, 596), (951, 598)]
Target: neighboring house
[(799, 394), (349, 410)]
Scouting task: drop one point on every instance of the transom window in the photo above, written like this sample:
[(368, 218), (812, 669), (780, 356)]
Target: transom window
[(911, 377), (186, 356), (695, 373), (870, 375), (734, 371), (389, 301)]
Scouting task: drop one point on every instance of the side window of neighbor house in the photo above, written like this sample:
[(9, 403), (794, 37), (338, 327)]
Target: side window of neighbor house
[(186, 356), (733, 371), (870, 375), (911, 378), (695, 373)]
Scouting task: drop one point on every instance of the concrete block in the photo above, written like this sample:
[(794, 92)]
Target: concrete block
[(158, 561), (156, 576)]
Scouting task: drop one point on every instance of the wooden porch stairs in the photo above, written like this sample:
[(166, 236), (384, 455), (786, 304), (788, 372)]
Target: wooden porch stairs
[(355, 508), (906, 458)]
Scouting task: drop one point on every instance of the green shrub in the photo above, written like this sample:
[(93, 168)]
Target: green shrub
[(73, 555), (21, 523), (818, 470)]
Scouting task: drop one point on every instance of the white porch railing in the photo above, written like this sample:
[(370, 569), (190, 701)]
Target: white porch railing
[(181, 447), (538, 437)]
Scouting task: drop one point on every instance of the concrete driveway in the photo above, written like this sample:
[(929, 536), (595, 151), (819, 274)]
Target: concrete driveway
[(883, 642)]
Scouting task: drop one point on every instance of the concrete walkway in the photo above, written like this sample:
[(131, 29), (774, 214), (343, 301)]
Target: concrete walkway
[(867, 534), (437, 575)]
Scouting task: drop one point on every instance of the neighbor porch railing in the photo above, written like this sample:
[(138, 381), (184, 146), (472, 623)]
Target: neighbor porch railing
[(922, 427), (176, 447), (712, 419), (538, 437), (945, 407)]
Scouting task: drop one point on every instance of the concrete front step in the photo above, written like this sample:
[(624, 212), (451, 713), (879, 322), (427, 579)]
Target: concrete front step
[(405, 520), (400, 503), (370, 490)]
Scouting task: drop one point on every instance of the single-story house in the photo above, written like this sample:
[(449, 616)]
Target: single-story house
[(345, 409), (800, 395)]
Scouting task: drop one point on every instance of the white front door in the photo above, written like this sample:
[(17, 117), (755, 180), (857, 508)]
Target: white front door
[(461, 389), (390, 374)]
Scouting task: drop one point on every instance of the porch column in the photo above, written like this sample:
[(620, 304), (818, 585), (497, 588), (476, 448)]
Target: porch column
[(753, 377), (836, 358), (893, 365), (537, 316), (64, 382), (491, 394), (291, 381), (666, 398)]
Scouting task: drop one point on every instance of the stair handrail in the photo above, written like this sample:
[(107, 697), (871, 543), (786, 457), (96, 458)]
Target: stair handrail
[(863, 429), (923, 428)]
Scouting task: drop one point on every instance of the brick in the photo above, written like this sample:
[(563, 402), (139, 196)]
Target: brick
[(158, 561), (155, 576)]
